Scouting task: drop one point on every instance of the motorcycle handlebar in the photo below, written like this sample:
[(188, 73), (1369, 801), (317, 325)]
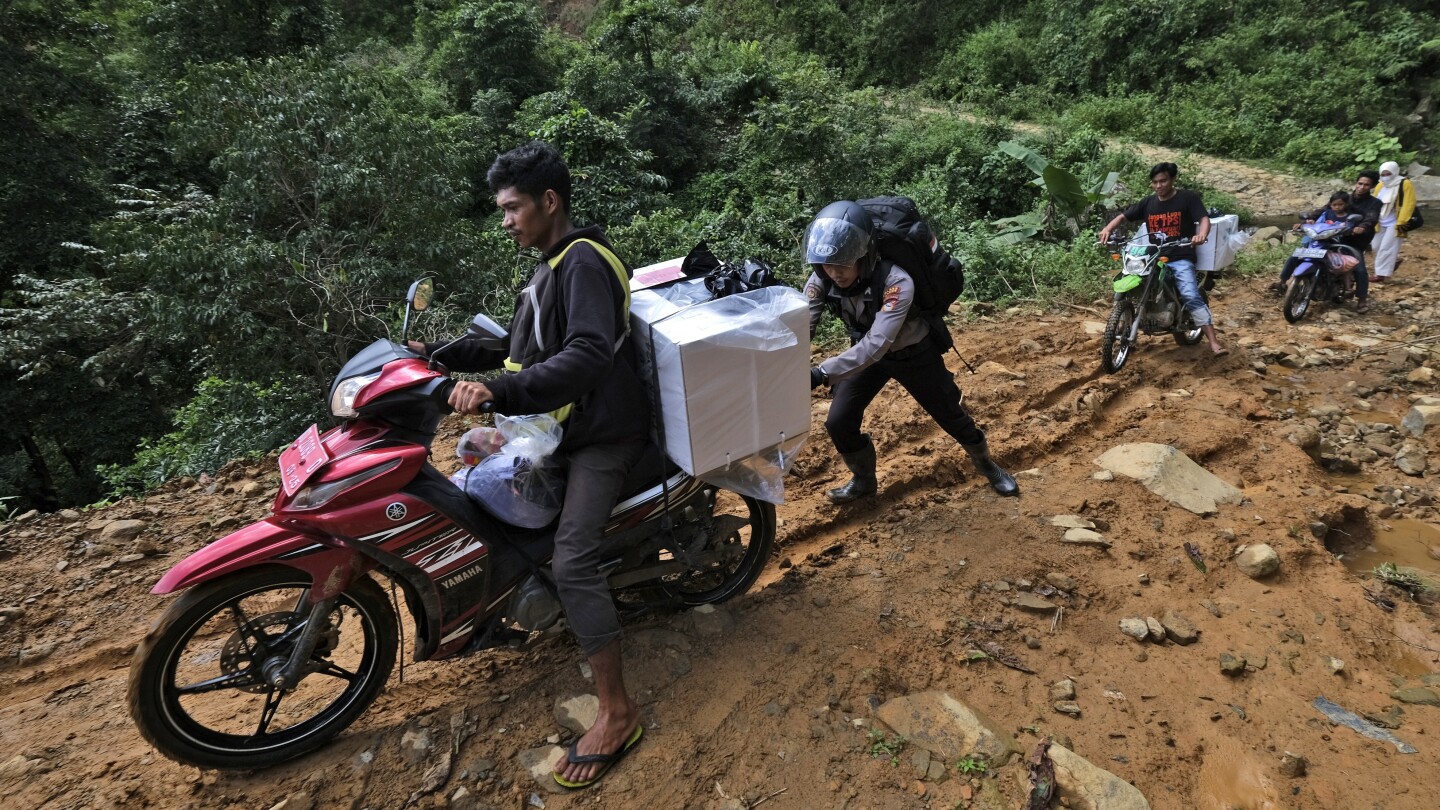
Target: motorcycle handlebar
[(442, 395), (1164, 241)]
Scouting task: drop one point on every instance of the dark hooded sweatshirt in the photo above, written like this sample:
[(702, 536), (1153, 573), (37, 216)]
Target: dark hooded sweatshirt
[(568, 333)]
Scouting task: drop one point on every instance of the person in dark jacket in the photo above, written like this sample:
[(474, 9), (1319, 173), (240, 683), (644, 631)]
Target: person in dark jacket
[(1361, 201), (888, 343), (571, 356)]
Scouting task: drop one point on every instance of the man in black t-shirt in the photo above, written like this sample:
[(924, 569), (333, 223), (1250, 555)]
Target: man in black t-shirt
[(1177, 213)]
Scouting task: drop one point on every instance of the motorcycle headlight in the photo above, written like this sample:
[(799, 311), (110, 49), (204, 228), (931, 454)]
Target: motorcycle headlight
[(316, 496), (1135, 265), (342, 402)]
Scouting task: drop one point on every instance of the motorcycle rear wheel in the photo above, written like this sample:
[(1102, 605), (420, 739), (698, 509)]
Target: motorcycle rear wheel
[(198, 691), (1297, 297), (1115, 346), (750, 544)]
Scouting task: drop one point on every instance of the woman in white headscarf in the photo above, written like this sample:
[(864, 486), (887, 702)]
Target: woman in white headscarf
[(1397, 200)]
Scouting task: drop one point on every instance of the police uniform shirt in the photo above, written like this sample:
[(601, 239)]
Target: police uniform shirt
[(883, 326)]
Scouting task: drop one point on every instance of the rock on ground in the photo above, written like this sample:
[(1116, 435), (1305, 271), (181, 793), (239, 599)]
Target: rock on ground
[(946, 727), (577, 713), (1083, 786), (1258, 561), (1171, 474)]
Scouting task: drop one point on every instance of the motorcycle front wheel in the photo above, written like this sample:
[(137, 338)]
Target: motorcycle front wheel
[(743, 533), (1297, 297), (199, 690), (1115, 346)]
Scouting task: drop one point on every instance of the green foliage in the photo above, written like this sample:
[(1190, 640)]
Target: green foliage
[(1069, 199), (612, 182), (1262, 261), (225, 420), (1236, 79), (884, 746), (78, 374), (1031, 271), (970, 765), (53, 117), (242, 189), (189, 32), (1411, 580), (333, 190), (485, 46)]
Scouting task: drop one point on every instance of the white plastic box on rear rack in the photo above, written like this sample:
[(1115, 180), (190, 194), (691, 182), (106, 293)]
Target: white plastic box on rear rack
[(733, 380)]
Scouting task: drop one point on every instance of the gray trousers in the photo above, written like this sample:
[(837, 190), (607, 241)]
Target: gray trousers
[(593, 481)]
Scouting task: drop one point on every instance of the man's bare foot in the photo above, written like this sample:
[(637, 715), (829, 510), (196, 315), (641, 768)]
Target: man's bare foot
[(608, 736), (1220, 351)]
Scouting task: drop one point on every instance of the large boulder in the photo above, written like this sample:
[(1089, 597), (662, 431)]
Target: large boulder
[(1171, 474), (1419, 418), (947, 728)]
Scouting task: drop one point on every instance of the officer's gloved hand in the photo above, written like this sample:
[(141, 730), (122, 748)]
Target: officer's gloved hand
[(817, 378)]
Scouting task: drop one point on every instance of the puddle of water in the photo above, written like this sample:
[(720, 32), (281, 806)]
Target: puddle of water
[(1407, 544)]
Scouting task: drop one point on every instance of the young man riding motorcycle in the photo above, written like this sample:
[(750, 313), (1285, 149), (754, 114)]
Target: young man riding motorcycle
[(1178, 213), (887, 343), (1364, 203), (571, 355)]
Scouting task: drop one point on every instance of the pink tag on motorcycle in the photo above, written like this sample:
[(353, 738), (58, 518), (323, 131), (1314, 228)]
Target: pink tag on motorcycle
[(301, 459)]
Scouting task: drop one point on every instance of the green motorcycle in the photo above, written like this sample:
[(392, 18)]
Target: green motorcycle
[(1146, 299)]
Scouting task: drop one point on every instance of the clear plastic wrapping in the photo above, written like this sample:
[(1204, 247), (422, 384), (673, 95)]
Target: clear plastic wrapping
[(733, 380), (519, 483)]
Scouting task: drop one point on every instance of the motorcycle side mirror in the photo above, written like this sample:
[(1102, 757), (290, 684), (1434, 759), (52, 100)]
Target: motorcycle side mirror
[(417, 299), (489, 334), (420, 295), (1353, 218)]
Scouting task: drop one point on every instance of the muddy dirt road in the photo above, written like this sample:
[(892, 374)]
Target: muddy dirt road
[(770, 700)]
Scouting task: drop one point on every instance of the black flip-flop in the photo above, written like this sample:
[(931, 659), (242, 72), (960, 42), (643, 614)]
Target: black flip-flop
[(607, 761)]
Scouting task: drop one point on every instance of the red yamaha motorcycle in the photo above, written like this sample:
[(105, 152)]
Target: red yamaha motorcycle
[(285, 636)]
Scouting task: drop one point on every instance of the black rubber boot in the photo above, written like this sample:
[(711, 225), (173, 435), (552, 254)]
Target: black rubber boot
[(1002, 482), (862, 467)]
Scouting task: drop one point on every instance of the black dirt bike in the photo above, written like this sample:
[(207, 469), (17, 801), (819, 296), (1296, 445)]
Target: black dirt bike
[(1146, 299)]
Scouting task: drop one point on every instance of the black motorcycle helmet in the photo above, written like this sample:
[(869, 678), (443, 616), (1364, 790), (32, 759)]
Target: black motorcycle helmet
[(840, 234)]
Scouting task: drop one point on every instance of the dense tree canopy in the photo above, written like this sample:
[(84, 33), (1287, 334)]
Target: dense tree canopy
[(206, 205)]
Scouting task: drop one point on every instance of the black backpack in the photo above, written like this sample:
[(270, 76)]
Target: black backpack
[(903, 237)]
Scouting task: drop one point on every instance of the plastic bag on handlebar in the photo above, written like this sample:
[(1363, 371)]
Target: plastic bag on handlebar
[(520, 483), (477, 444)]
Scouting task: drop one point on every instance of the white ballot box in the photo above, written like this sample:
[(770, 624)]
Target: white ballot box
[(733, 378)]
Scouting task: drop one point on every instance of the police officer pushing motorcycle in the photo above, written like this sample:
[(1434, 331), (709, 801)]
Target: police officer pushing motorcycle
[(889, 340)]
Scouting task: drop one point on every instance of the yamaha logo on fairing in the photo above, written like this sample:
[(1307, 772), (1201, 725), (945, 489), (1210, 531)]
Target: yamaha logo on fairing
[(395, 511)]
